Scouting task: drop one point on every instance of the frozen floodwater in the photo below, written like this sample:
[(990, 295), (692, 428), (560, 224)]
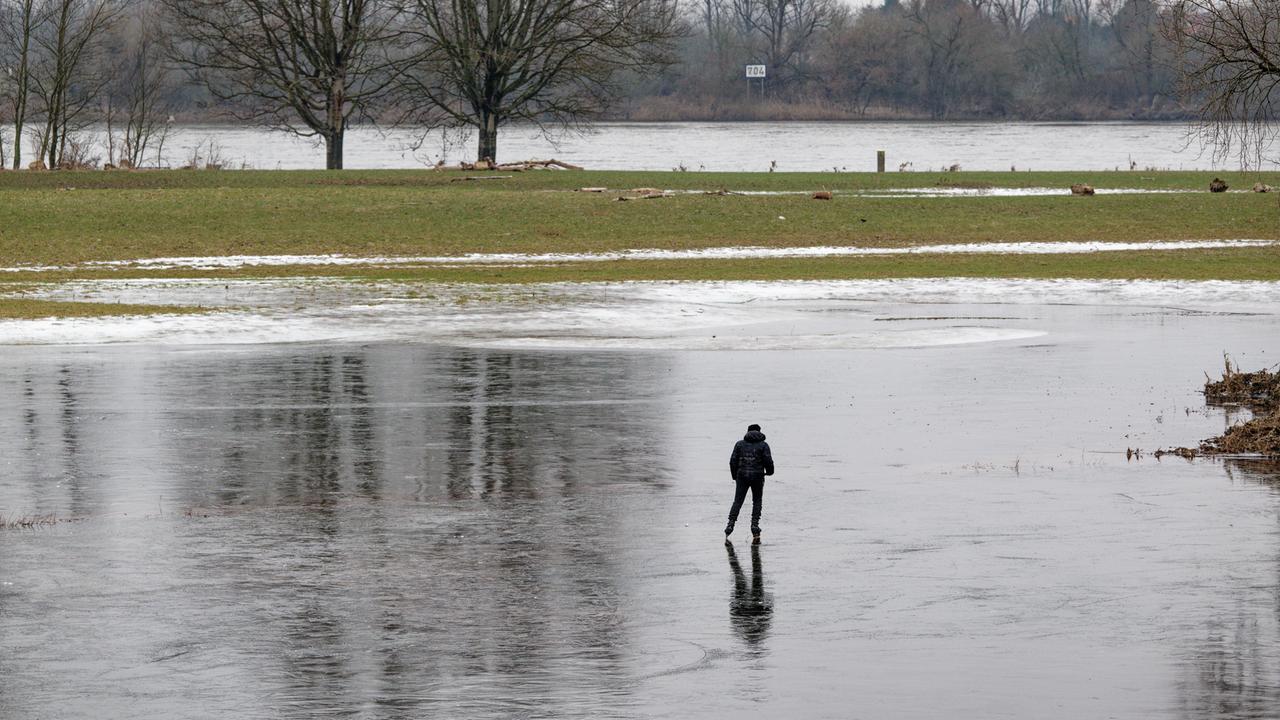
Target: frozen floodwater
[(514, 509)]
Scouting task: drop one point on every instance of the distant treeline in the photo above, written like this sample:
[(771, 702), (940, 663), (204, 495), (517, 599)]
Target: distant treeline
[(923, 59), (917, 59)]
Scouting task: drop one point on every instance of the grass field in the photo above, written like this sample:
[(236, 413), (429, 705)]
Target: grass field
[(30, 309), (68, 218)]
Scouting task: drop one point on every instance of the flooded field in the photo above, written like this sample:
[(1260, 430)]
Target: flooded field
[(510, 505)]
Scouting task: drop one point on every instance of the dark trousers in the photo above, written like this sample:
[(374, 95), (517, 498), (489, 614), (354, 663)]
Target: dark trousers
[(740, 495)]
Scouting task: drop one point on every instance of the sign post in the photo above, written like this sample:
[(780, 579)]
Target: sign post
[(756, 71)]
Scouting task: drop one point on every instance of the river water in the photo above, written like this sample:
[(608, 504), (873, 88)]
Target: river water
[(523, 518), (758, 146)]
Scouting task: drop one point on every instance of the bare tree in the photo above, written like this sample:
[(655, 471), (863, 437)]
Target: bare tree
[(68, 75), (871, 60), (948, 30), (301, 66), (1135, 24), (1011, 14), (19, 20), (714, 18), (489, 62), (1230, 65), (785, 27), (138, 91)]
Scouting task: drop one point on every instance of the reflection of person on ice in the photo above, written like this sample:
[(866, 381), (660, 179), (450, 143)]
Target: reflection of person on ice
[(750, 462), (750, 607)]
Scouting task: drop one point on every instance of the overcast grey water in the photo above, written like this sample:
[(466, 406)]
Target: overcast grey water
[(409, 529), (754, 146)]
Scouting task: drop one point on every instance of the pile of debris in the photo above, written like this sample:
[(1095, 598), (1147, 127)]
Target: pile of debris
[(1258, 392), (1259, 436), (1255, 390)]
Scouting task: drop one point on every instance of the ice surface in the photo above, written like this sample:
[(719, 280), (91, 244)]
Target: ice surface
[(387, 529)]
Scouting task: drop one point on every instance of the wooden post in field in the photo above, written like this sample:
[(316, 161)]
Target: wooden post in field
[(879, 161)]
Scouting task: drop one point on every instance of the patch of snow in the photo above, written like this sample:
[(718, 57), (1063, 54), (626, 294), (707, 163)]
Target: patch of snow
[(937, 192), (713, 253)]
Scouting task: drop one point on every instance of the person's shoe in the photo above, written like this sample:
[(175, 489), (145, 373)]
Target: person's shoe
[(755, 539)]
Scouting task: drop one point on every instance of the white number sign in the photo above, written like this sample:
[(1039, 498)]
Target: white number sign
[(755, 71)]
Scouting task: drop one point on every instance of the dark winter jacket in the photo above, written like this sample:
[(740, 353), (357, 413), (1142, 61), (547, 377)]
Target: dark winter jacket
[(751, 459)]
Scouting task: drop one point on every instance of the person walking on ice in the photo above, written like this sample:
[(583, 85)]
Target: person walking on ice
[(750, 462)]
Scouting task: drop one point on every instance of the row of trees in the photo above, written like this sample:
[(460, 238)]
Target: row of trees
[(940, 58), (56, 67), (314, 67), (1031, 59)]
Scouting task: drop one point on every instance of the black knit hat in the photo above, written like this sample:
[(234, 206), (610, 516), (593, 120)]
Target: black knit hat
[(753, 426)]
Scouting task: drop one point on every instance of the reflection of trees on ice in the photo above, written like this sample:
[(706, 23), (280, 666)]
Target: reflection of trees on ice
[(439, 524), (1235, 673)]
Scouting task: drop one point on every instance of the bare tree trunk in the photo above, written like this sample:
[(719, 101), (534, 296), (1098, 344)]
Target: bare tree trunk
[(58, 87), (22, 91), (550, 62), (73, 78), (333, 149), (301, 66), (488, 149)]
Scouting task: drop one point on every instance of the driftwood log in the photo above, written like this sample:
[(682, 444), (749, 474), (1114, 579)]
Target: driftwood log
[(481, 177), (645, 194), (487, 164)]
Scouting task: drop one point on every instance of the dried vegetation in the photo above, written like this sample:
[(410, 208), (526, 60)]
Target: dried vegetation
[(30, 522), (1257, 391)]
